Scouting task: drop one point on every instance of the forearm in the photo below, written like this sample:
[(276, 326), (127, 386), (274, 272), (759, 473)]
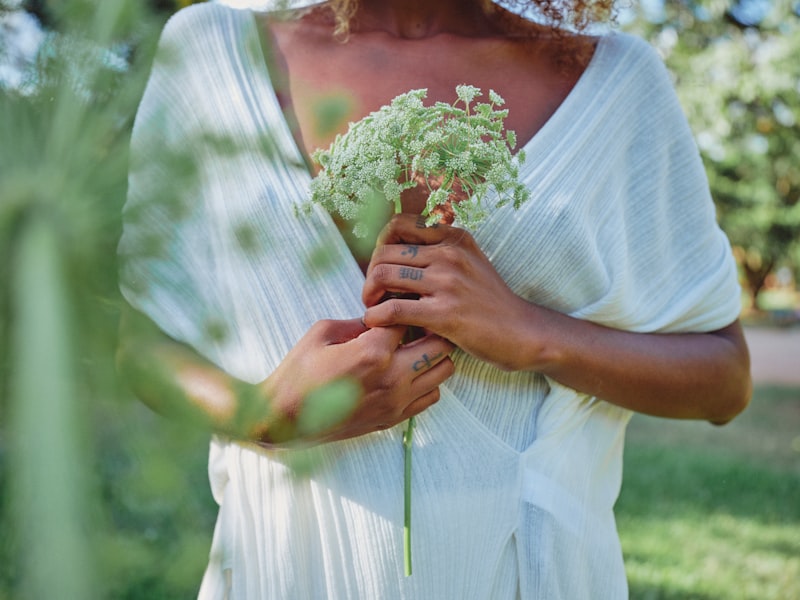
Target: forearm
[(463, 299), (177, 382), (689, 376), (340, 380)]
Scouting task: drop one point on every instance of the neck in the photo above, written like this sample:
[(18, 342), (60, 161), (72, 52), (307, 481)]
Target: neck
[(417, 19)]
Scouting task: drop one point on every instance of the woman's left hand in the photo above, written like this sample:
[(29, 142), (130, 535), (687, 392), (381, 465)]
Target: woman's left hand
[(461, 296)]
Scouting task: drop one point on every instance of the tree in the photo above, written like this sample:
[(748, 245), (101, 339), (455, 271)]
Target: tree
[(738, 77)]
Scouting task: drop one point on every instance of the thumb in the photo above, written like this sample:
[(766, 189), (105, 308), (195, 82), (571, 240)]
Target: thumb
[(340, 331)]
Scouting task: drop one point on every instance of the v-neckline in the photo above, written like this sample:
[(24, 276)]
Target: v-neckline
[(291, 128), (535, 148), (572, 97)]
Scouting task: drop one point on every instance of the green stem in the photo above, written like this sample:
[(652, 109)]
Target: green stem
[(48, 480), (408, 436), (408, 440)]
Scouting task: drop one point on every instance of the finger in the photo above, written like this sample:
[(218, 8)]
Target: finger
[(412, 255), (411, 229), (426, 387), (422, 403), (419, 358), (385, 338), (400, 311), (335, 331), (428, 342), (394, 278)]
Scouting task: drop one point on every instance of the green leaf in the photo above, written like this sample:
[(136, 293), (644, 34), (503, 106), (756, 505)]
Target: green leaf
[(327, 406)]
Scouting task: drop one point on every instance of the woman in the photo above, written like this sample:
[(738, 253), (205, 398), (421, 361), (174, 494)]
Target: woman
[(611, 291)]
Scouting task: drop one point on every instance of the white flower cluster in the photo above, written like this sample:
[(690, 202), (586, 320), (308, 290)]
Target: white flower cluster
[(458, 151)]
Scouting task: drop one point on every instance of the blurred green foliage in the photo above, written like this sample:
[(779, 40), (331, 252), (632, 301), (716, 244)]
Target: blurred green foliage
[(96, 495), (737, 73)]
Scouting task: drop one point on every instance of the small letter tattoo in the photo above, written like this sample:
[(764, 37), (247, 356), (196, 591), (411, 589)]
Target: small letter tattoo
[(409, 273), (410, 250)]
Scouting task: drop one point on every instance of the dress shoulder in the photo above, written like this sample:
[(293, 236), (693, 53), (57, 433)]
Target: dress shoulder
[(201, 28), (639, 55), (197, 19), (628, 43)]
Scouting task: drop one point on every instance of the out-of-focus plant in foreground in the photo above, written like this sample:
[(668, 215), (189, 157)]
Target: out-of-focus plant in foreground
[(64, 131)]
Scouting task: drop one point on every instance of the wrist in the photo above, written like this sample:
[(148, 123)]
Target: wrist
[(539, 340), (269, 417)]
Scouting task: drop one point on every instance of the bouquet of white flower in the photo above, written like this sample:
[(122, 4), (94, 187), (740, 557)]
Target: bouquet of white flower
[(458, 153)]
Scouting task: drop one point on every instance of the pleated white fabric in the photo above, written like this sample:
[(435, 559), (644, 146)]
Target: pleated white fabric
[(514, 476)]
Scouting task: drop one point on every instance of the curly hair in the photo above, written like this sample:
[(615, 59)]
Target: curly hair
[(575, 14), (343, 11)]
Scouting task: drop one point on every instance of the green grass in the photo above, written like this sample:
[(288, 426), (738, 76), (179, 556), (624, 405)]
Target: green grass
[(714, 513)]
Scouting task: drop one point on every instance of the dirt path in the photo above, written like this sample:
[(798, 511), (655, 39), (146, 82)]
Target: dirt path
[(774, 354)]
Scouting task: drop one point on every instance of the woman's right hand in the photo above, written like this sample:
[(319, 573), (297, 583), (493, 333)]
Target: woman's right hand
[(397, 381)]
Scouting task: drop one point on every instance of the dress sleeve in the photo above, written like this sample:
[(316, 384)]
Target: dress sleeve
[(672, 268), (212, 250), (166, 258)]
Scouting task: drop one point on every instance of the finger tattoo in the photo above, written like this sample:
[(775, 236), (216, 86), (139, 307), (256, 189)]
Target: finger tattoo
[(426, 362), (409, 273), (410, 250)]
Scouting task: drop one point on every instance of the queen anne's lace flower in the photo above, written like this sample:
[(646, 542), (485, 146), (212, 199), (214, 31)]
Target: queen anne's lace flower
[(467, 93), (460, 151)]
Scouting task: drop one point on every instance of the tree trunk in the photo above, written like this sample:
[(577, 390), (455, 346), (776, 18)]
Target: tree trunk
[(756, 278)]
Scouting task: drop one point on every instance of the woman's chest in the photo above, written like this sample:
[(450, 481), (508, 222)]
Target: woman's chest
[(326, 88)]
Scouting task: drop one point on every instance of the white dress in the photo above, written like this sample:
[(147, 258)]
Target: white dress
[(514, 475)]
